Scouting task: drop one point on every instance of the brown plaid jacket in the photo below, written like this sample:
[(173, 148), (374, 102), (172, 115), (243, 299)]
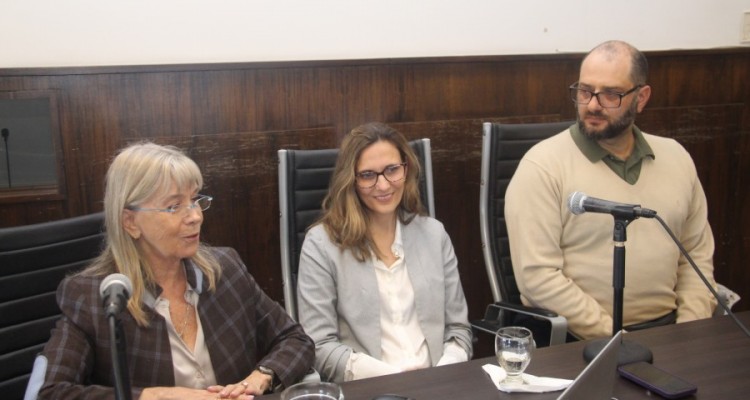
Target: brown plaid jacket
[(242, 327)]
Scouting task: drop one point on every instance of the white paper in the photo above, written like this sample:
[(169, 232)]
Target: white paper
[(532, 384)]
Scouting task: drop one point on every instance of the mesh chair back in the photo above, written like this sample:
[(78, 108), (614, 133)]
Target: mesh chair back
[(304, 177), (33, 261)]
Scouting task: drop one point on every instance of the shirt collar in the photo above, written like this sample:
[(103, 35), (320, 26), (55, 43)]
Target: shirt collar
[(594, 152), (397, 247), (194, 283)]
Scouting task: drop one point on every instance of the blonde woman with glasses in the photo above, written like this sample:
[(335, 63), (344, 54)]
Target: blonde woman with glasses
[(197, 325), (378, 285)]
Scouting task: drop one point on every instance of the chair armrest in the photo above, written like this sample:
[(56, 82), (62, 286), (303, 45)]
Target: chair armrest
[(313, 376), (726, 296), (36, 379), (496, 308), (494, 319)]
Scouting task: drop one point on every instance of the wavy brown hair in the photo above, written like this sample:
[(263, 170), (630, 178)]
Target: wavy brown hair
[(345, 218)]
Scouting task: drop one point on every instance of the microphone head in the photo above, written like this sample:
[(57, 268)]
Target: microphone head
[(575, 202), (116, 279)]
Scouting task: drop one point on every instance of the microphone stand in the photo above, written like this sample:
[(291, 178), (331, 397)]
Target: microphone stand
[(5, 134), (629, 351), (119, 362)]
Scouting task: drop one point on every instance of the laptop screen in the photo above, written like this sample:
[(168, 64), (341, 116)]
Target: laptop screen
[(597, 380)]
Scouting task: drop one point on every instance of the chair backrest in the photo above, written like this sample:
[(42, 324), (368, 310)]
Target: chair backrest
[(33, 261), (304, 177), (503, 146)]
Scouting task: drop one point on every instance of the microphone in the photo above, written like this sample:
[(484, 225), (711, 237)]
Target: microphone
[(579, 203), (115, 290)]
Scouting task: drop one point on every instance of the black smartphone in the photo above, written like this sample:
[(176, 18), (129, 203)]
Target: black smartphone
[(657, 380)]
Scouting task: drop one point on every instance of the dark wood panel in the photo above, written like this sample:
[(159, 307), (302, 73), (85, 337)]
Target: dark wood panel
[(240, 171), (233, 117)]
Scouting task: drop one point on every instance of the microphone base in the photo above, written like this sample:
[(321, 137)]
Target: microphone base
[(629, 352)]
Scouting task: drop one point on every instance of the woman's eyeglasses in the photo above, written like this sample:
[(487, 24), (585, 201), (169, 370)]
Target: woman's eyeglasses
[(201, 202), (392, 173)]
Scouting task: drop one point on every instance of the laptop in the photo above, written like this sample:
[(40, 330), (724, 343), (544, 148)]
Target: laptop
[(597, 380)]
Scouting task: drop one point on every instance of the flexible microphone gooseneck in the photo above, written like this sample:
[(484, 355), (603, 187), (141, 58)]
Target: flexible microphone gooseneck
[(703, 277), (6, 133)]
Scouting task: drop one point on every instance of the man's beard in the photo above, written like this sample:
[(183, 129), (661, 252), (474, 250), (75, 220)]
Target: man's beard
[(613, 129)]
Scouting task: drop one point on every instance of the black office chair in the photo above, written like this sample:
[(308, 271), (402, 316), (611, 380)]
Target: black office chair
[(503, 146), (33, 261), (304, 176)]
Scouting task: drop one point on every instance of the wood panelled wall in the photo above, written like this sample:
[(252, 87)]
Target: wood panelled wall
[(232, 118)]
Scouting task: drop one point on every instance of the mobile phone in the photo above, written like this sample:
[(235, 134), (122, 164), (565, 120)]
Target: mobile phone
[(657, 380)]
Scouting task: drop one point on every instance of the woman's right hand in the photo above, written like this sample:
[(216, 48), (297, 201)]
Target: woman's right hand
[(182, 393)]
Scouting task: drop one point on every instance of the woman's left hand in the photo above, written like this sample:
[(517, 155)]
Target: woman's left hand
[(255, 384)]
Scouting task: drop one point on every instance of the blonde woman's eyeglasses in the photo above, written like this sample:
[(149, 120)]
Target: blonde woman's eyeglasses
[(201, 201)]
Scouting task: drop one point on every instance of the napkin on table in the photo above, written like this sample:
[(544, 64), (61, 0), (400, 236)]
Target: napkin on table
[(532, 384)]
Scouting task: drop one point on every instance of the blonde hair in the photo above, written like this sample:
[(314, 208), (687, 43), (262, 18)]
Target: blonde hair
[(137, 173), (344, 215)]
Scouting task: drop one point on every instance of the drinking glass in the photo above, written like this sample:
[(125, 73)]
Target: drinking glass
[(313, 391), (513, 348)]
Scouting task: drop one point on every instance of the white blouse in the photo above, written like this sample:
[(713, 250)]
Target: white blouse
[(192, 369), (403, 345)]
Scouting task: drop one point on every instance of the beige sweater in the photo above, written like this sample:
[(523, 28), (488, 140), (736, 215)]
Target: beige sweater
[(563, 262)]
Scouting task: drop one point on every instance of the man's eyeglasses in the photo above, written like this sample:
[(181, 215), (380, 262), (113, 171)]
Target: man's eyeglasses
[(201, 202), (606, 98), (392, 173)]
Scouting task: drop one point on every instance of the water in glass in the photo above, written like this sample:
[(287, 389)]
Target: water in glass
[(313, 391), (314, 396), (513, 347)]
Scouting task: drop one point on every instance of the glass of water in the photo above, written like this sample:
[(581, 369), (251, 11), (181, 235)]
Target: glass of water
[(313, 391), (513, 347)]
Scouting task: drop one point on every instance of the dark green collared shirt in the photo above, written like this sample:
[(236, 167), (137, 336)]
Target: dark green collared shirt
[(630, 169)]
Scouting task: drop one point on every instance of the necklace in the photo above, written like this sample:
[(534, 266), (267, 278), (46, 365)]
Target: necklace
[(185, 321)]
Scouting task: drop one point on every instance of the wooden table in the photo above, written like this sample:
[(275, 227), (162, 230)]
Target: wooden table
[(714, 354)]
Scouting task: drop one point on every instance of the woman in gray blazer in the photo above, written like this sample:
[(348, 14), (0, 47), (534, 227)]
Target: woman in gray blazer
[(378, 285)]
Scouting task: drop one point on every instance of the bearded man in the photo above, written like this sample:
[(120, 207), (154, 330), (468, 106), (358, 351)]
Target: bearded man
[(563, 262)]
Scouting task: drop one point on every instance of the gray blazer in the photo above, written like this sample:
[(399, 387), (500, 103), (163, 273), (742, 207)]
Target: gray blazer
[(339, 305)]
